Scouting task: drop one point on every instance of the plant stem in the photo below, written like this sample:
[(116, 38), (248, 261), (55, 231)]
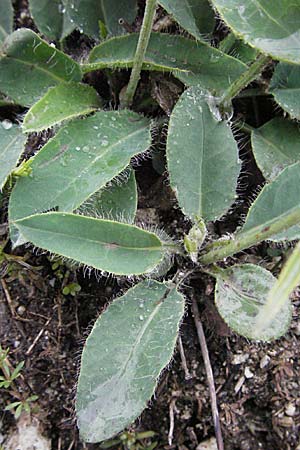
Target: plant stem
[(249, 75), (248, 238), (140, 52), (209, 374), (227, 43)]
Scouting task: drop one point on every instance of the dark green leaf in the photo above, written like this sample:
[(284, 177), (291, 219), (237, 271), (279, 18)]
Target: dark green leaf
[(202, 158), (11, 147), (285, 86), (62, 102), (30, 66), (103, 244), (6, 19), (130, 344)]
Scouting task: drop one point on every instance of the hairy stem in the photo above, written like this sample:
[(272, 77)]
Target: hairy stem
[(222, 249), (249, 75), (140, 52)]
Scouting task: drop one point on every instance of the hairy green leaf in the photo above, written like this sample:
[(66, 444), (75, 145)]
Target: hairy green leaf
[(62, 102), (51, 18), (78, 161), (40, 65), (276, 145), (240, 295), (86, 14), (285, 86), (190, 61), (117, 201), (195, 16), (130, 344), (275, 199), (103, 244), (202, 158), (11, 147), (278, 297), (6, 19), (271, 26)]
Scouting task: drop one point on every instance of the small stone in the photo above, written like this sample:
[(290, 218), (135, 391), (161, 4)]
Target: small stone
[(21, 310), (248, 373), (240, 358), (209, 444), (16, 344), (290, 410), (7, 124), (264, 361), (297, 329)]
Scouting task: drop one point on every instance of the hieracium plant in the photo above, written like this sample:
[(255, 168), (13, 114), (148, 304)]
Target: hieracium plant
[(59, 193)]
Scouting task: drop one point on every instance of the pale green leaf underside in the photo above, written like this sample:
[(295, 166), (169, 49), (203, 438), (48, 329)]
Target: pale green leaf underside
[(6, 19), (103, 244), (78, 161), (275, 199), (62, 102), (276, 145), (87, 13), (12, 143), (202, 158), (40, 65), (51, 18), (195, 16), (285, 86), (278, 296), (240, 294), (117, 201), (272, 26), (130, 344), (190, 61)]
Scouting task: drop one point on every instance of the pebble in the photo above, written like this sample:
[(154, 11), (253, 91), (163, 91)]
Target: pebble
[(21, 310), (290, 410), (248, 373), (264, 361), (240, 358)]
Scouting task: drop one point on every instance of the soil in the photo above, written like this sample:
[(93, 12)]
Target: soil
[(257, 384)]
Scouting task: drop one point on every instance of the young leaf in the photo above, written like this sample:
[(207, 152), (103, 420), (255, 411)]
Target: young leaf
[(195, 16), (271, 26), (275, 199), (285, 86), (62, 102), (103, 244), (82, 157), (6, 19), (191, 61), (86, 14), (12, 143), (41, 66), (202, 158), (240, 295), (275, 146), (278, 296), (117, 201), (130, 344), (51, 18)]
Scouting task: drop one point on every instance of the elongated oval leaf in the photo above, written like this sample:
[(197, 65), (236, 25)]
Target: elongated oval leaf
[(285, 86), (41, 66), (190, 61), (11, 147), (51, 18), (278, 296), (130, 344), (195, 16), (117, 201), (6, 19), (271, 26), (103, 244), (62, 102), (87, 13), (78, 161), (240, 295), (276, 145), (275, 199), (202, 158)]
